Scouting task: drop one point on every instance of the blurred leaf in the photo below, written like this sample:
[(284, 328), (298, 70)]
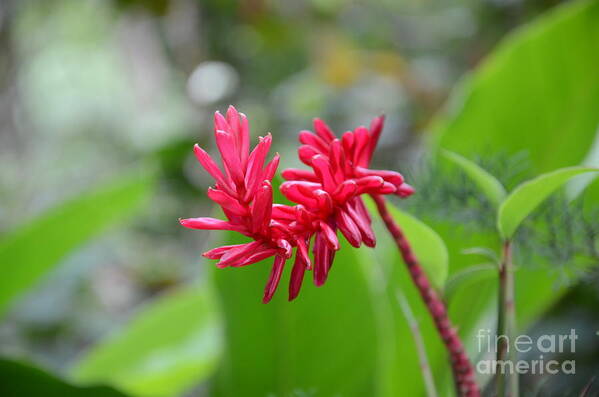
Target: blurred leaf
[(170, 346), (18, 379), (472, 305), (538, 92), (484, 252), (527, 196), (470, 275), (32, 250), (487, 183), (507, 107), (322, 344), (426, 243), (398, 372)]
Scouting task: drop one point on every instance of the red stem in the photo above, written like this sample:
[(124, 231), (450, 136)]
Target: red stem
[(463, 371)]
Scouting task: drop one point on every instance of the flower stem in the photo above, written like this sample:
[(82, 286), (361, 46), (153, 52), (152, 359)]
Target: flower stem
[(463, 371), (507, 383)]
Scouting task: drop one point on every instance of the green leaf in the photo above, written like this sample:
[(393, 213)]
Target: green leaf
[(18, 379), (398, 373), (470, 275), (487, 183), (426, 243), (507, 106), (32, 250), (322, 344), (527, 196), (170, 346)]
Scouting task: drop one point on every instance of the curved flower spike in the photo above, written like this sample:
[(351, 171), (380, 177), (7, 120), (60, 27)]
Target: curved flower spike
[(341, 168), (243, 190)]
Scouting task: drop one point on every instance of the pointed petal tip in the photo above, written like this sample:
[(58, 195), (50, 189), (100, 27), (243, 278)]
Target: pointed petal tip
[(370, 243), (405, 190), (319, 282), (266, 299)]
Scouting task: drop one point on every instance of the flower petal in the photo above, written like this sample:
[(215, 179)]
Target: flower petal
[(325, 203), (226, 201), (211, 167), (210, 224), (271, 168), (345, 191), (376, 127), (361, 208), (330, 235), (274, 278), (308, 138), (361, 146), (339, 165), (306, 153), (323, 171), (347, 140), (387, 188), (245, 140), (234, 123), (220, 123), (302, 250), (291, 190), (282, 211), (230, 155), (293, 174), (285, 246), (323, 130), (255, 164), (404, 190), (239, 254), (389, 176), (363, 225), (369, 184), (297, 276), (262, 209), (323, 260), (348, 228), (257, 257), (218, 252)]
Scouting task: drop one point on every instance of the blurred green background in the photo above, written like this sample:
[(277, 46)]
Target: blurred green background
[(101, 102)]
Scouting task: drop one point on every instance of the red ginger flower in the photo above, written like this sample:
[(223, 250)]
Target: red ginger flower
[(245, 194), (328, 198), (331, 192)]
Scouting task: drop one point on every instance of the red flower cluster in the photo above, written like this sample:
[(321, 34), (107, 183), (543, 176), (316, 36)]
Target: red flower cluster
[(328, 197)]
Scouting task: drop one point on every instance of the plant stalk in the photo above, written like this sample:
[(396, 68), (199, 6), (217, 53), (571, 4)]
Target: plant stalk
[(462, 369), (507, 383)]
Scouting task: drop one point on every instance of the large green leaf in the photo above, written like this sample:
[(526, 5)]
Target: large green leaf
[(538, 92), (32, 250), (526, 197), (19, 379), (487, 183), (322, 344), (170, 346)]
